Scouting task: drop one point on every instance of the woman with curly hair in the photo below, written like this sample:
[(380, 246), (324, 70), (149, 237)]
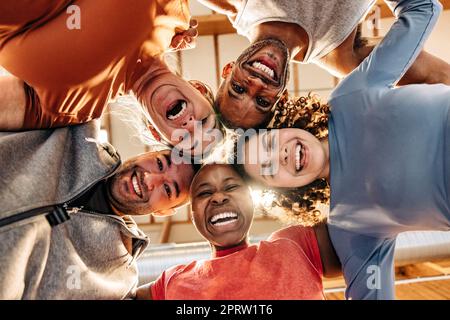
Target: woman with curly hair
[(386, 156), (65, 70), (293, 204)]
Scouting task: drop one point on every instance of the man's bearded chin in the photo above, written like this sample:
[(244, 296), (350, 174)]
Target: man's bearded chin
[(258, 45), (119, 205)]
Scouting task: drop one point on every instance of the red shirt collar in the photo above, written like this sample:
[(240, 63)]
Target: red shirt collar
[(225, 252)]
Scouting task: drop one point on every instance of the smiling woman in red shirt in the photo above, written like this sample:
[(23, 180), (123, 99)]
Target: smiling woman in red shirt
[(288, 265), (68, 75)]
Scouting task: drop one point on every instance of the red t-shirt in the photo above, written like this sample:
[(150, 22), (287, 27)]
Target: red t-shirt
[(286, 266)]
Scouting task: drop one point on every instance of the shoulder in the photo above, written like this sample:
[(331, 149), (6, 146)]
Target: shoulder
[(303, 240), (169, 273), (354, 82), (302, 237), (173, 271)]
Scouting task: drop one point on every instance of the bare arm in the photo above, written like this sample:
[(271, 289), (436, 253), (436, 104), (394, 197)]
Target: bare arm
[(330, 261), (12, 103), (425, 69), (144, 292), (227, 7)]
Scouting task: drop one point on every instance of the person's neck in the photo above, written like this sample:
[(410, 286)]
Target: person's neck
[(96, 199), (110, 200), (326, 170), (292, 35), (224, 251), (116, 211)]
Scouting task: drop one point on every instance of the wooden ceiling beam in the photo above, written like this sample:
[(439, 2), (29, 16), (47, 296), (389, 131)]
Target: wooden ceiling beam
[(214, 24), (165, 232)]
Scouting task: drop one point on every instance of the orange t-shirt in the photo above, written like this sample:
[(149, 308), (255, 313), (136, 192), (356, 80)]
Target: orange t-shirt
[(71, 74), (286, 266)]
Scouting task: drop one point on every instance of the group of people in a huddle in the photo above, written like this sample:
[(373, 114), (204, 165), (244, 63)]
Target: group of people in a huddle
[(378, 153)]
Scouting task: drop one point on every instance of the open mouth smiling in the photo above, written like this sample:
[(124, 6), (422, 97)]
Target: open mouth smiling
[(176, 110), (135, 183), (300, 156), (263, 71), (224, 218), (262, 67)]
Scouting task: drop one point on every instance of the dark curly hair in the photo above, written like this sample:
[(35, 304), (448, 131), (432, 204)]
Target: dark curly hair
[(298, 205)]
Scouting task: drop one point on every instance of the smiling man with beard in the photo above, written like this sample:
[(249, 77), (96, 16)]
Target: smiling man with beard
[(288, 265), (65, 229), (149, 183), (305, 31)]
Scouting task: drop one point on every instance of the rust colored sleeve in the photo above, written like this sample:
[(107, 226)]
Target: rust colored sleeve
[(33, 111)]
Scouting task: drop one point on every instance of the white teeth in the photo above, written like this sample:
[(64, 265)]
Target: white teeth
[(224, 215), (224, 222), (263, 68), (136, 187), (298, 156), (182, 111)]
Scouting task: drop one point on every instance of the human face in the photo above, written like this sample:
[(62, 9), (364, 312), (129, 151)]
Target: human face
[(180, 112), (150, 183), (222, 206), (254, 84), (296, 158)]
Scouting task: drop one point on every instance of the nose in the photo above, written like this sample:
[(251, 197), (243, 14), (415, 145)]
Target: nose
[(219, 199), (153, 180), (284, 156), (255, 84), (189, 123)]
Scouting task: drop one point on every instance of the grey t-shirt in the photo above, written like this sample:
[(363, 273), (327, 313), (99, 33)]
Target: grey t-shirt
[(327, 23)]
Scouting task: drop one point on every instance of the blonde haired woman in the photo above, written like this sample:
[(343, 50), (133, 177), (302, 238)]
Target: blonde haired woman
[(64, 75)]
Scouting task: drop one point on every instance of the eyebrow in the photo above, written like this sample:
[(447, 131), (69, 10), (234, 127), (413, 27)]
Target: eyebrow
[(177, 189), (208, 184), (228, 179), (264, 140), (272, 141), (267, 142), (169, 161), (202, 185), (267, 147), (266, 176)]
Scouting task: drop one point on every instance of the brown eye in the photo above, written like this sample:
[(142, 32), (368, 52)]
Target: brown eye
[(204, 194), (168, 191), (237, 88), (263, 102), (160, 164), (231, 187)]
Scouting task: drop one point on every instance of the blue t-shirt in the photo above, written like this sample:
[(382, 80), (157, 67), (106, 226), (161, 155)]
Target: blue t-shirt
[(389, 155)]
